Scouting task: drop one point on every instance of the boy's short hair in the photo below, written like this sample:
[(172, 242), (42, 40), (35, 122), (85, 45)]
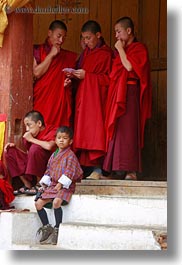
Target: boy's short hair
[(65, 129), (57, 24), (126, 22), (35, 116), (92, 26)]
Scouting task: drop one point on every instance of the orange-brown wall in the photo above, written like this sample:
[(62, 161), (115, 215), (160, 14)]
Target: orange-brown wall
[(16, 74)]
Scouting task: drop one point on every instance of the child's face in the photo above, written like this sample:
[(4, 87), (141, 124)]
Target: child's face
[(63, 140), (32, 126)]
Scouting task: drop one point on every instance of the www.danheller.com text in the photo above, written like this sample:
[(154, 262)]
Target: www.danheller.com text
[(50, 10)]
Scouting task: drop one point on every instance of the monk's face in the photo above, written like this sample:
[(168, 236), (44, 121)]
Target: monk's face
[(122, 33), (63, 140), (90, 39), (57, 36), (33, 127)]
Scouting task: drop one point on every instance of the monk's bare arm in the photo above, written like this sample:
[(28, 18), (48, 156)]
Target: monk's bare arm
[(40, 69), (47, 145), (120, 47)]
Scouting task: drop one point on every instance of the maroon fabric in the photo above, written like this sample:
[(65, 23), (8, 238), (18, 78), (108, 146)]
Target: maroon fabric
[(16, 161), (124, 152), (137, 54), (3, 170), (34, 161)]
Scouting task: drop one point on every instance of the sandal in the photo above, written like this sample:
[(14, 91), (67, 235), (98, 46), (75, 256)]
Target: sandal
[(131, 176), (32, 191), (20, 191)]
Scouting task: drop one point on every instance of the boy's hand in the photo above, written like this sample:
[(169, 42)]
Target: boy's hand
[(8, 145), (67, 82), (54, 50), (120, 44), (80, 74), (28, 136), (42, 188)]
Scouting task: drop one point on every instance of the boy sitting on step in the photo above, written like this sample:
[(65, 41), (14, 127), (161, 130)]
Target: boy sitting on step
[(59, 181), (39, 143)]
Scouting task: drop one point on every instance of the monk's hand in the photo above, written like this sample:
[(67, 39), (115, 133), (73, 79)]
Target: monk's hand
[(54, 50), (120, 44), (28, 136), (67, 82), (80, 73), (58, 186), (8, 145)]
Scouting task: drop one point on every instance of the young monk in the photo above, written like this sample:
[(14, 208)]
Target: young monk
[(63, 170), (39, 140), (93, 71), (129, 102), (52, 94)]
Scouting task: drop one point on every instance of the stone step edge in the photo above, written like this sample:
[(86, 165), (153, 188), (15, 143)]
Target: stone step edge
[(116, 226), (36, 247), (106, 196), (96, 196), (94, 223)]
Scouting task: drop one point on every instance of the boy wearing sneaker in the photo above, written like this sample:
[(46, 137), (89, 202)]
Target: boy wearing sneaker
[(59, 181)]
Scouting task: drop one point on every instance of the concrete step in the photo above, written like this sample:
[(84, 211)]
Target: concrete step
[(18, 231), (18, 228), (125, 220), (80, 236), (107, 210)]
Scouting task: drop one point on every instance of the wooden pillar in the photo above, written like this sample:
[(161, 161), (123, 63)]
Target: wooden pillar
[(16, 79)]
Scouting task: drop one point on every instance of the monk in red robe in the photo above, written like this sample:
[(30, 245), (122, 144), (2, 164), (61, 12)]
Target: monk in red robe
[(93, 71), (39, 140), (52, 94), (129, 103)]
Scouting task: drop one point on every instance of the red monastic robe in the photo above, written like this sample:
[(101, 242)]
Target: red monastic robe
[(5, 186), (137, 54), (34, 161), (50, 97), (89, 132), (7, 190)]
